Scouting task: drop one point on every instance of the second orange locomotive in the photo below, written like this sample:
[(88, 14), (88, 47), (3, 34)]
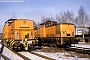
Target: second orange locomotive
[(56, 34)]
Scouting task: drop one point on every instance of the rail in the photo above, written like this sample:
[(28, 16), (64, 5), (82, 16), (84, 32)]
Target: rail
[(79, 50), (22, 56), (4, 57), (42, 56)]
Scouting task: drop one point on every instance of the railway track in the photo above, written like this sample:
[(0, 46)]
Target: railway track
[(4, 57), (24, 57), (42, 57), (79, 50), (48, 58), (33, 56), (27, 58), (20, 55)]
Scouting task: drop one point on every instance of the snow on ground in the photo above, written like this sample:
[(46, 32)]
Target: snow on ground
[(0, 45), (82, 44), (0, 40), (31, 56), (62, 56), (10, 54), (1, 58), (55, 55), (13, 56)]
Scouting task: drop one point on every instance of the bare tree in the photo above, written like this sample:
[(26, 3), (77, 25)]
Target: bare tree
[(44, 18), (82, 19), (65, 17), (70, 17), (36, 24), (61, 17)]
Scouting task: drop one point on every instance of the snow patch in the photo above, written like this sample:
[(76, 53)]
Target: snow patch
[(11, 55), (82, 44), (61, 56), (31, 56)]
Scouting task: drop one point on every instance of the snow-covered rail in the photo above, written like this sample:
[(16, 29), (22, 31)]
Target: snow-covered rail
[(79, 50), (3, 57), (12, 55), (46, 53), (33, 56), (42, 56), (22, 55), (82, 47)]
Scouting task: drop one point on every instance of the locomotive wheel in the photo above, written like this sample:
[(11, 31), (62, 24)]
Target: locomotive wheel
[(18, 48)]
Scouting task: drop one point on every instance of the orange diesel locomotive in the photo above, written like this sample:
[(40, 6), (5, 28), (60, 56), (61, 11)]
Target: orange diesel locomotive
[(18, 33), (53, 34)]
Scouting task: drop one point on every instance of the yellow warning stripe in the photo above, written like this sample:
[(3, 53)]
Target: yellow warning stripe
[(12, 42)]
